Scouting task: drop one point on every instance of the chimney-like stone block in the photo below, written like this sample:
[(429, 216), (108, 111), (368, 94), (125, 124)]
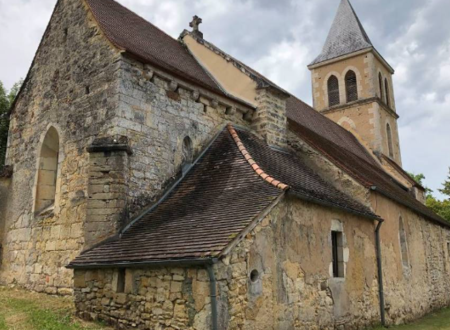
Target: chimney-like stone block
[(108, 175), (270, 119)]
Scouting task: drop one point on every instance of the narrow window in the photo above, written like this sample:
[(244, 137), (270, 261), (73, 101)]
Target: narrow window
[(389, 140), (338, 254), (403, 243), (388, 98), (333, 91), (47, 171), (351, 86), (120, 280), (1, 254), (448, 250), (380, 81), (187, 154)]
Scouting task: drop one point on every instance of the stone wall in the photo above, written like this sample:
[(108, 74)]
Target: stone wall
[(156, 112), (424, 285), (270, 119), (293, 288), (71, 87)]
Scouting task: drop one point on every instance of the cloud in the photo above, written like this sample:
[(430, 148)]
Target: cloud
[(279, 38)]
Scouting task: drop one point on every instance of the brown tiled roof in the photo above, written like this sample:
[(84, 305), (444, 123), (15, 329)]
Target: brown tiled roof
[(300, 112), (217, 199), (214, 203), (402, 171), (130, 32), (370, 175), (252, 163), (302, 180)]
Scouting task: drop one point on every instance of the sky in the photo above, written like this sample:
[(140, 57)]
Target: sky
[(280, 38)]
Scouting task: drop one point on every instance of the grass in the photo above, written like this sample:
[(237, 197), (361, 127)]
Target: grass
[(435, 321), (23, 310)]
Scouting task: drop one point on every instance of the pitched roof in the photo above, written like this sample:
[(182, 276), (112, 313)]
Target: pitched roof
[(370, 175), (346, 36), (302, 113), (219, 197), (130, 32)]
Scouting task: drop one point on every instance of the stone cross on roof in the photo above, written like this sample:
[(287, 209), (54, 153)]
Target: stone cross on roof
[(196, 21)]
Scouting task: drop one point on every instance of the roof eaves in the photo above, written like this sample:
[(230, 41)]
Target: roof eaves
[(435, 218), (318, 63), (150, 263), (308, 198), (401, 171)]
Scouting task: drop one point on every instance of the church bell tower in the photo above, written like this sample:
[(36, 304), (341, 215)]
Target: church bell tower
[(352, 85)]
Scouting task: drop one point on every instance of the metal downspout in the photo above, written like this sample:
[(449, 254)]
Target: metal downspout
[(380, 274), (213, 295)]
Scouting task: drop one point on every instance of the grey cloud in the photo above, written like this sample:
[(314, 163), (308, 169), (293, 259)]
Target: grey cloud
[(280, 38)]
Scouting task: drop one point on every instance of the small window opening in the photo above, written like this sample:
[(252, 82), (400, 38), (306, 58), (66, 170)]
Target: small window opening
[(338, 253), (389, 140), (1, 254), (187, 154), (403, 243), (388, 98), (380, 81), (120, 280), (47, 171), (88, 90), (254, 276), (333, 91), (351, 86)]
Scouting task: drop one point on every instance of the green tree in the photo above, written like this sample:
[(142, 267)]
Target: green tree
[(441, 208), (419, 178), (6, 100), (446, 184)]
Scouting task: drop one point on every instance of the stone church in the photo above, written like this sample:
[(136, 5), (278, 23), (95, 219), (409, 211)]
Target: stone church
[(167, 185)]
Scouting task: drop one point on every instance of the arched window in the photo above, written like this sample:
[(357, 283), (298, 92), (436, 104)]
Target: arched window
[(403, 243), (351, 86), (388, 99), (380, 81), (389, 140), (333, 91), (187, 154), (47, 171)]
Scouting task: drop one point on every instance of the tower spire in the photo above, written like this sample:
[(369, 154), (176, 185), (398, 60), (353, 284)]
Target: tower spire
[(346, 35)]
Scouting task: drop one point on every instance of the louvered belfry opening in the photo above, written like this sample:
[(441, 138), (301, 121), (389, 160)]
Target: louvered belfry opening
[(351, 86), (333, 91)]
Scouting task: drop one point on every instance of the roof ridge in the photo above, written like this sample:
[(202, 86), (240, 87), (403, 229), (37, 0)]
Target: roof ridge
[(259, 171)]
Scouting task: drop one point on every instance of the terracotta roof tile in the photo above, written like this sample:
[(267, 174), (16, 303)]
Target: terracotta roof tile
[(216, 201), (287, 168), (252, 162)]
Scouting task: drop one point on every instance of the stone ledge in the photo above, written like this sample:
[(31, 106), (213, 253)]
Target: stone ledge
[(110, 144)]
